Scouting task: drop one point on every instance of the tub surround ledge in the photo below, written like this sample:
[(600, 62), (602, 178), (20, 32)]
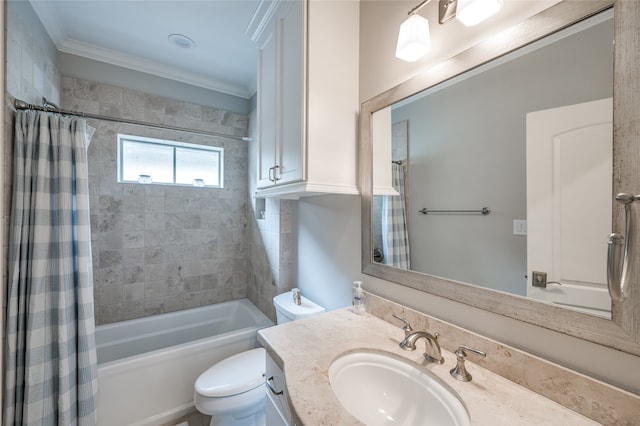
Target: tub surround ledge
[(305, 349)]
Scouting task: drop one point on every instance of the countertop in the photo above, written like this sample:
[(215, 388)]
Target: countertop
[(306, 348)]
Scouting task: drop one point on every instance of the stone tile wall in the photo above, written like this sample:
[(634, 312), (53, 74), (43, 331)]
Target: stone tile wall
[(31, 73), (161, 248)]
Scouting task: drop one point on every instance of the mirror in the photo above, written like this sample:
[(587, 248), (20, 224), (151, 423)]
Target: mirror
[(468, 154), (491, 188)]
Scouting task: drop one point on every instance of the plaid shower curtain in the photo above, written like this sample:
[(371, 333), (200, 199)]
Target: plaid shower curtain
[(50, 348), (395, 234)]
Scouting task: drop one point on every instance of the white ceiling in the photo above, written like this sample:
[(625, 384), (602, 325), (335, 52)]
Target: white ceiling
[(134, 34)]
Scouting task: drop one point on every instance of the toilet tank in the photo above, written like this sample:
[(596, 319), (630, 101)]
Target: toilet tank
[(287, 310)]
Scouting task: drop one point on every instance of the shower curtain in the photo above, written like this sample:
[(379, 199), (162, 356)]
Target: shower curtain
[(50, 348), (395, 236)]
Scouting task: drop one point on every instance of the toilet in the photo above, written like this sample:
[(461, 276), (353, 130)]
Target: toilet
[(232, 391)]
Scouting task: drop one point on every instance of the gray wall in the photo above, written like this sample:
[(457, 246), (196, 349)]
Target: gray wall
[(467, 144), (328, 235)]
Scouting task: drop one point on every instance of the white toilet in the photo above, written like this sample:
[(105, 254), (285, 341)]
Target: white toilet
[(232, 391)]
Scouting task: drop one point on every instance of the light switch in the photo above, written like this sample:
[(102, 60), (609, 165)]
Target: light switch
[(520, 227)]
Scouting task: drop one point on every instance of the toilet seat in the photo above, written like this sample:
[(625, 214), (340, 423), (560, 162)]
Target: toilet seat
[(234, 375)]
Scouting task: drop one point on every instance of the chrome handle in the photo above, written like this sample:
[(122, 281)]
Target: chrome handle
[(614, 271), (618, 269), (463, 349), (271, 179), (273, 391), (407, 326), (275, 175)]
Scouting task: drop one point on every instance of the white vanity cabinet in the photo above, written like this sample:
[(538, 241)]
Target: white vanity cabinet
[(277, 409), (307, 97)]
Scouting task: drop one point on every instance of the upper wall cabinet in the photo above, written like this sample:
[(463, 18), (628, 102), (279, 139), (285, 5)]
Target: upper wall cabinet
[(307, 97)]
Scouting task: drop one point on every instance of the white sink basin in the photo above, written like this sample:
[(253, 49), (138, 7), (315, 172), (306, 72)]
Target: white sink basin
[(380, 389)]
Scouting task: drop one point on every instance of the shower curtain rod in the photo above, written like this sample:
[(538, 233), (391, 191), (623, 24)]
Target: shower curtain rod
[(49, 107)]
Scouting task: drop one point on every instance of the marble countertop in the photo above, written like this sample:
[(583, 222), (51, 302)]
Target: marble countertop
[(306, 348)]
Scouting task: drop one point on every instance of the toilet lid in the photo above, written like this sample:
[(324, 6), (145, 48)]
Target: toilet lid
[(231, 376)]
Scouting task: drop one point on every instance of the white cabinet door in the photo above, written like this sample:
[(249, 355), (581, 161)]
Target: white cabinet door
[(267, 105), (307, 100), (277, 405), (280, 97), (292, 122), (273, 416), (569, 199)]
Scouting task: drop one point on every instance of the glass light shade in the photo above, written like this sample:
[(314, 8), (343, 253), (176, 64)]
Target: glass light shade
[(472, 12), (414, 40)]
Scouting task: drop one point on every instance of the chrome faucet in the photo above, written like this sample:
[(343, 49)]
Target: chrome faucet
[(409, 344)]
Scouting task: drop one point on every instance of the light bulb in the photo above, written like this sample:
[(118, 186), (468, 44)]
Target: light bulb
[(472, 12)]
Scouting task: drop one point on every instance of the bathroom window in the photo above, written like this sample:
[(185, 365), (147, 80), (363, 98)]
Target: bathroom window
[(165, 162)]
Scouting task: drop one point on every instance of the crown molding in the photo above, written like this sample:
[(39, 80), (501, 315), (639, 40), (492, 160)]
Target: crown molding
[(112, 57)]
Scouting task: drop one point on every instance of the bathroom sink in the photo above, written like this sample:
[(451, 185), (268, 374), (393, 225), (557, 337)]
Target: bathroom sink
[(380, 389)]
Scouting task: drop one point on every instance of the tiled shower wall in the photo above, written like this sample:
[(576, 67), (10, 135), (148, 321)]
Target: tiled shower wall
[(31, 68), (159, 248), (31, 73), (271, 254)]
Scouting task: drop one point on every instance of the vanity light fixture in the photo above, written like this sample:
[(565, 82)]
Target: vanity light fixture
[(414, 40), (472, 12)]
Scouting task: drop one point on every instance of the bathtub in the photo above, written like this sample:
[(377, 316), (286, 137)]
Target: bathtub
[(147, 366)]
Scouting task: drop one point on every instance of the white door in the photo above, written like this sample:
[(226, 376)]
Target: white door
[(569, 190)]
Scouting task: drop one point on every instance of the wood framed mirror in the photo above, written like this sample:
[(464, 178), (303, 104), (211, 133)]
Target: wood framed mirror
[(621, 330)]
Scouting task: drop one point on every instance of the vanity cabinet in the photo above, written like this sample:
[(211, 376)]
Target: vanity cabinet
[(307, 100), (277, 409)]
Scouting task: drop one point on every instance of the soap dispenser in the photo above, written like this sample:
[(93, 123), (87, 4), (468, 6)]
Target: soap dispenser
[(358, 298)]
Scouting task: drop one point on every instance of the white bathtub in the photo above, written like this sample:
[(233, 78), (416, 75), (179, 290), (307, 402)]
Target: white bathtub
[(147, 366)]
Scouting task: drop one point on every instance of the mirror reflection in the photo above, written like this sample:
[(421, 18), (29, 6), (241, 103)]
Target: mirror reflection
[(502, 176)]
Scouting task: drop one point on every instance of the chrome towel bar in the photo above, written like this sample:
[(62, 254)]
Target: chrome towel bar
[(484, 211)]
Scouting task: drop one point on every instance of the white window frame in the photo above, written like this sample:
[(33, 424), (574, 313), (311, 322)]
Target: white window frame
[(174, 144)]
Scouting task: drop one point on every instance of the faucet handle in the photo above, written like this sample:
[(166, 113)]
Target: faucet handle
[(462, 351), (460, 372), (407, 327)]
